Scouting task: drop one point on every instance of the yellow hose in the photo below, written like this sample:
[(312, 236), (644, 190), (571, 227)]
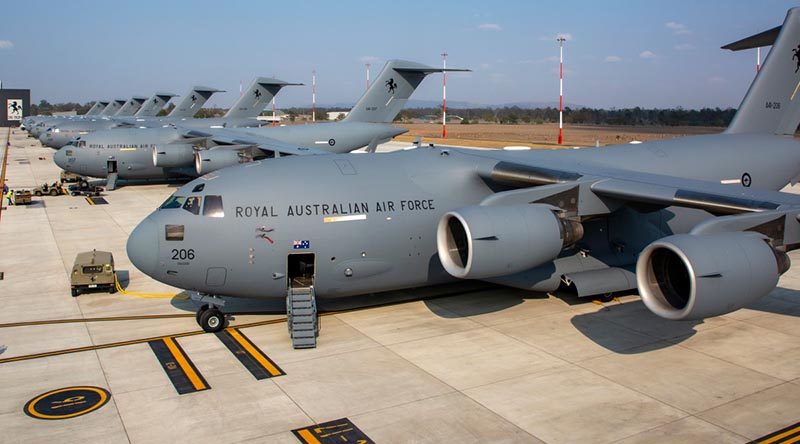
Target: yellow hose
[(145, 295)]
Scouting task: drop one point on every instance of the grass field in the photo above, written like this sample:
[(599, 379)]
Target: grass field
[(544, 135)]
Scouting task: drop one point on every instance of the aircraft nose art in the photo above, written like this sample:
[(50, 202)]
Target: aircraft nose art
[(143, 247)]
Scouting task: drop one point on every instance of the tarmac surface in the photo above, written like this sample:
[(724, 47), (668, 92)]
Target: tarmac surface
[(471, 365)]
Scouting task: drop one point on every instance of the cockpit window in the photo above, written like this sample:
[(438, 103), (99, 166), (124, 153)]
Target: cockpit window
[(192, 205), (173, 202), (70, 153), (212, 207), (81, 143)]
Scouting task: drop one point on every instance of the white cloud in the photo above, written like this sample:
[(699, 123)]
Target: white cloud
[(716, 79), (684, 47), (613, 59), (5, 44), (647, 54), (368, 59), (490, 26), (677, 28), (484, 66)]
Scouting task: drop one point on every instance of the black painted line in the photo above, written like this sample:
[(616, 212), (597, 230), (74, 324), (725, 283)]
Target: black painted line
[(251, 357), (179, 368)]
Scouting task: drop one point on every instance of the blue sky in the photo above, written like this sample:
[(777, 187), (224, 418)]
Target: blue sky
[(619, 53)]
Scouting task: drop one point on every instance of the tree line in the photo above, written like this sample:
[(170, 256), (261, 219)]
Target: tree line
[(505, 115)]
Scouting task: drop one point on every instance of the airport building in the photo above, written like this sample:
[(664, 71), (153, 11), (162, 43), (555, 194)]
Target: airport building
[(16, 105)]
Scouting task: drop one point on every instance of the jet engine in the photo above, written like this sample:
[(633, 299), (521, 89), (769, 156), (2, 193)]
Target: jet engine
[(173, 155), (479, 242), (207, 161), (685, 277)]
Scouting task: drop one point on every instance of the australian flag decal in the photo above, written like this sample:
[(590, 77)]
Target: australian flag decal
[(301, 245)]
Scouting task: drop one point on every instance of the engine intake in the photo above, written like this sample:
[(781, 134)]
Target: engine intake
[(207, 161), (686, 277), (173, 155), (479, 242)]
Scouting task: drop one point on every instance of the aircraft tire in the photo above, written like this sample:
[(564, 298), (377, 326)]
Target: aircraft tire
[(200, 311), (212, 320)]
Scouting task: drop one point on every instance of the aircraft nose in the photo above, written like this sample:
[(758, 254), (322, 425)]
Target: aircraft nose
[(60, 158), (143, 247)]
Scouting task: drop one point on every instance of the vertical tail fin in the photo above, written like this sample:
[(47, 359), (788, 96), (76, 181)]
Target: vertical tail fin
[(772, 104), (98, 106), (256, 98), (113, 107), (193, 101), (389, 93), (132, 106), (154, 104)]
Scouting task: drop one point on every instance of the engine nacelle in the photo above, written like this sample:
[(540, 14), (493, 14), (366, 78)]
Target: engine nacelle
[(686, 277), (479, 242), (173, 155), (207, 161)]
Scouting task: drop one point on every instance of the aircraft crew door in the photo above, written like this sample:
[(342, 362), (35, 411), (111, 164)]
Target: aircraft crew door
[(301, 303), (300, 270), (112, 166)]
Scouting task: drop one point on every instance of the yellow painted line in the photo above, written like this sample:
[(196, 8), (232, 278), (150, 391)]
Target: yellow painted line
[(190, 373), (147, 295), (782, 435), (253, 352), (310, 439), (795, 439), (89, 199)]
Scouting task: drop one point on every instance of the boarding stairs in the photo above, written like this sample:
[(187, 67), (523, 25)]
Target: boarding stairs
[(301, 312)]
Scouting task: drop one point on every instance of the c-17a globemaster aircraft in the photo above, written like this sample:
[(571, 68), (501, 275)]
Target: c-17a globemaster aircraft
[(695, 222), (189, 151)]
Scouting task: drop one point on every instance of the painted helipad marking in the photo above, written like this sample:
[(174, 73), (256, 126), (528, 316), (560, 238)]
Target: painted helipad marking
[(67, 402), (178, 367), (253, 359), (338, 431)]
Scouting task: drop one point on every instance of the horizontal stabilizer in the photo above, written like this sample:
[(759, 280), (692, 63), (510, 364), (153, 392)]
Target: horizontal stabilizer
[(766, 38)]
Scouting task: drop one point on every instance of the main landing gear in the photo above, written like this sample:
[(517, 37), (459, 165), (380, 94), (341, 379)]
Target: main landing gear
[(210, 316)]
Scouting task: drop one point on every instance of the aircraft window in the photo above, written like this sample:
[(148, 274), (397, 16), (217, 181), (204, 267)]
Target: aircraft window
[(213, 206), (173, 202), (70, 153), (198, 188), (192, 205), (81, 143), (174, 232)]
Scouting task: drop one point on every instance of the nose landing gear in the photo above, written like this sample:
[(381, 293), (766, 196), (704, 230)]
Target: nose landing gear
[(210, 316)]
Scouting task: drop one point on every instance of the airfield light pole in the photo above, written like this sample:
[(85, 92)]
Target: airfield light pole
[(274, 122), (561, 40), (368, 65), (314, 95), (758, 59), (444, 95)]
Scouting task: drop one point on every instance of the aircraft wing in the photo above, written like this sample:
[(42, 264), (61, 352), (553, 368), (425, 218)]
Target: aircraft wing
[(601, 190), (231, 139)]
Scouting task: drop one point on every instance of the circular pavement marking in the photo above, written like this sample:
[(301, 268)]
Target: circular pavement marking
[(68, 402)]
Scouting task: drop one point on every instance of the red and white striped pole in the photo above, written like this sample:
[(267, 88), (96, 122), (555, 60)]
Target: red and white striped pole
[(758, 60), (314, 95), (368, 65), (561, 90), (444, 95)]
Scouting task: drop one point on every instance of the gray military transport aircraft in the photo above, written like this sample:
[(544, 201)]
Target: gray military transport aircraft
[(126, 153), (181, 151), (696, 223), (61, 133), (99, 111)]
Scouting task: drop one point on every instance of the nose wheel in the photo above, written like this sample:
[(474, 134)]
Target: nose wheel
[(211, 319)]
